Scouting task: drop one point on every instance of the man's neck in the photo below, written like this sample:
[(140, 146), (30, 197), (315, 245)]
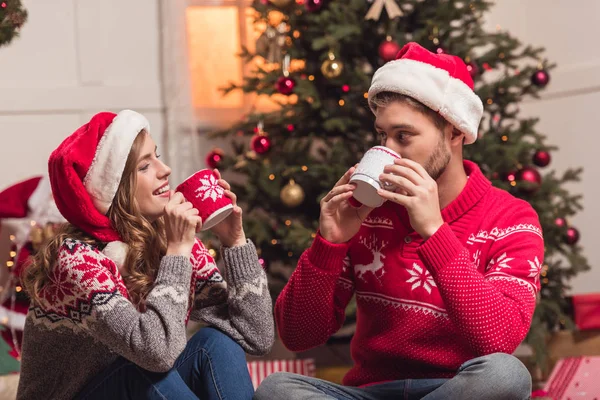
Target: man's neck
[(452, 182)]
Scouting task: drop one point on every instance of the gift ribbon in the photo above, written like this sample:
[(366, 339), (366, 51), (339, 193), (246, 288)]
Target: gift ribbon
[(393, 10)]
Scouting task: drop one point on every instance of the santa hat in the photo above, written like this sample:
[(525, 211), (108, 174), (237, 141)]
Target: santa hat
[(86, 169), (14, 199), (31, 199), (440, 81)]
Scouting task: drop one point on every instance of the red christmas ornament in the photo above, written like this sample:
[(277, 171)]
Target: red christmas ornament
[(541, 158), (291, 128), (313, 5), (260, 143), (263, 263), (560, 222), (571, 236), (3, 5), (528, 179), (540, 78), (214, 158), (473, 69), (388, 50), (345, 88), (285, 85), (511, 176)]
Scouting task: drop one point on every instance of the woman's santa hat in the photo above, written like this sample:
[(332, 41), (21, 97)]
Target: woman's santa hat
[(86, 169), (440, 81)]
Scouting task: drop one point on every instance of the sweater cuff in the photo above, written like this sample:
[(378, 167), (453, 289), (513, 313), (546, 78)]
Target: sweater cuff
[(440, 250), (174, 269), (327, 256), (241, 262)]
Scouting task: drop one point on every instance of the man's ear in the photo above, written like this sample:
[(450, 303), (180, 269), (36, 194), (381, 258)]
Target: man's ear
[(457, 137)]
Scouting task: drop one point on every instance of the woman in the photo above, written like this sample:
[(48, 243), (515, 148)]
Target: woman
[(111, 294)]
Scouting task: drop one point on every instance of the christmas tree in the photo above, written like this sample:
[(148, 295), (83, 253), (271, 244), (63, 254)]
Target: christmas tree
[(12, 18), (316, 59)]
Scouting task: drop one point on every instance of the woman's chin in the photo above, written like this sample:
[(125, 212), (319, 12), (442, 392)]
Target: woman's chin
[(157, 211)]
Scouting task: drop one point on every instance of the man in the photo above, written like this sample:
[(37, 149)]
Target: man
[(445, 272)]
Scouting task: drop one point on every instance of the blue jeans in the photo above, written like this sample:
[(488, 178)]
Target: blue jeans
[(212, 366), (495, 376)]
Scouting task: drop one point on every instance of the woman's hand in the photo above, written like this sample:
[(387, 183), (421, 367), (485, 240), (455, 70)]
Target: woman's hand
[(230, 231)]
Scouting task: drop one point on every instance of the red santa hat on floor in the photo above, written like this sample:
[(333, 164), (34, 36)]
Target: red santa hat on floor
[(85, 173), (440, 81), (30, 199), (14, 200)]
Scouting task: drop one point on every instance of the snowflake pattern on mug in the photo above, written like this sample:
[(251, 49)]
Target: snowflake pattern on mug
[(210, 188)]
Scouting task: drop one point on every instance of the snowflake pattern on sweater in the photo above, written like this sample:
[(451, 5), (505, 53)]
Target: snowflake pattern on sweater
[(423, 307), (81, 265)]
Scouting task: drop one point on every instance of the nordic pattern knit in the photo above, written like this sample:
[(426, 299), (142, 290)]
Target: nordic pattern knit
[(85, 320), (423, 307)]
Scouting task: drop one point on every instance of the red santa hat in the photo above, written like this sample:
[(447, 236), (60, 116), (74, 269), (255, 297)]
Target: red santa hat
[(440, 81), (86, 168), (14, 200), (31, 199)]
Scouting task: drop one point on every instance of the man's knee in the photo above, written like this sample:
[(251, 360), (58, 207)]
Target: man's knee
[(506, 376), (275, 386)]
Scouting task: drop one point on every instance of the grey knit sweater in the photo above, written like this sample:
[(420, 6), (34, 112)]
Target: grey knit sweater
[(85, 320)]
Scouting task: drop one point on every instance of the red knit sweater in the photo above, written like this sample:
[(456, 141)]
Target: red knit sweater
[(423, 307)]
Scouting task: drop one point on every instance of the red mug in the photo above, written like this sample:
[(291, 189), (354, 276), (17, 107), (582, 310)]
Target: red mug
[(202, 189)]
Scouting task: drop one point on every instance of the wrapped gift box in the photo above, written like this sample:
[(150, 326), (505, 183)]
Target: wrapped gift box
[(575, 378), (260, 369), (587, 311)]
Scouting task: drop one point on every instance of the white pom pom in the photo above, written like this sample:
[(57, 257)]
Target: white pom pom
[(116, 251)]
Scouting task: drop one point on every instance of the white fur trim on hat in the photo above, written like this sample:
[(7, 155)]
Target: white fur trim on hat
[(435, 88), (116, 251), (103, 178), (42, 208), (12, 319)]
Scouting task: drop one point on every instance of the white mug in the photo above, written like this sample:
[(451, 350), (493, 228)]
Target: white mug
[(366, 175)]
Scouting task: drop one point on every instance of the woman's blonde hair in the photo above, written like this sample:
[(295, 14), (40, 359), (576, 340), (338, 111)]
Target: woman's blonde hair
[(146, 240)]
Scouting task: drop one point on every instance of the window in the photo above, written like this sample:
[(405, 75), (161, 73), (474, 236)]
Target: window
[(216, 31)]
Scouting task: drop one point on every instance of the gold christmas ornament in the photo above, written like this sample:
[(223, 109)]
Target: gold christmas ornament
[(331, 68), (38, 235), (292, 194), (214, 253)]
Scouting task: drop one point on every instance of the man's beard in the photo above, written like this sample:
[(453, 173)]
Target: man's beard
[(438, 160)]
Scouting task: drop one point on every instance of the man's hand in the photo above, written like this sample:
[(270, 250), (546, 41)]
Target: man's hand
[(339, 220), (417, 192)]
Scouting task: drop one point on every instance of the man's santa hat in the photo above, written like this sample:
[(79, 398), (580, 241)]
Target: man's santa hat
[(85, 172), (440, 81)]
